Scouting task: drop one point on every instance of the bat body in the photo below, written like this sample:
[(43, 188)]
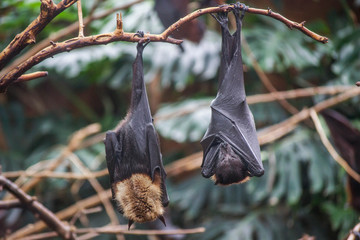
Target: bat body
[(230, 145), (347, 141), (133, 157)]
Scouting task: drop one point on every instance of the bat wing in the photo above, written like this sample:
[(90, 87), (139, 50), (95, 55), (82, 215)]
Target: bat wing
[(240, 135), (230, 141), (156, 165), (112, 149)]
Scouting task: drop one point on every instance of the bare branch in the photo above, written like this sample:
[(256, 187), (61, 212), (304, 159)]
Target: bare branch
[(265, 80), (48, 11), (10, 204), (122, 230), (227, 8), (81, 22), (37, 208), (31, 76), (63, 214), (331, 149), (62, 33), (281, 129), (51, 174), (75, 43)]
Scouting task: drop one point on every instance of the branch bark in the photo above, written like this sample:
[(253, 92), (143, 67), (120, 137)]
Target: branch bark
[(48, 10), (38, 209)]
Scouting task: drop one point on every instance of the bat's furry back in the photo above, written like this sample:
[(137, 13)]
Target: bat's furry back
[(139, 198)]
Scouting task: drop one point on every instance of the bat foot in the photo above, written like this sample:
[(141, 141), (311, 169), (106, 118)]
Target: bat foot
[(130, 223), (162, 219), (139, 34), (221, 18), (240, 6)]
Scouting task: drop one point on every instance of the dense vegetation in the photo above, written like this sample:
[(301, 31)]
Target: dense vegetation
[(303, 189)]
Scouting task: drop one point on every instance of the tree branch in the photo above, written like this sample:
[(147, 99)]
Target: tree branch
[(10, 204), (122, 230), (119, 35), (331, 149), (81, 21), (31, 76), (48, 10), (227, 8), (62, 33), (75, 43), (37, 208)]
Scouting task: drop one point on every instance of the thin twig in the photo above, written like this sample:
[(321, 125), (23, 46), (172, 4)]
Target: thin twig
[(331, 149), (352, 235), (81, 22), (37, 208), (98, 188), (51, 174), (265, 80), (11, 204), (279, 130), (122, 230), (73, 144), (267, 97), (31, 76)]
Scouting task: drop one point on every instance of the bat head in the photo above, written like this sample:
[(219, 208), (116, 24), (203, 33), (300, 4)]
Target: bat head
[(139, 198), (230, 168)]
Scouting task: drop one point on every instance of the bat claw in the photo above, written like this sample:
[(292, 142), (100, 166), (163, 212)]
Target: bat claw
[(130, 223), (221, 18), (162, 219), (240, 6), (139, 34)]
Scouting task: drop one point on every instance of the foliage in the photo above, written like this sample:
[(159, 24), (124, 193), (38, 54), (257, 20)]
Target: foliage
[(302, 190)]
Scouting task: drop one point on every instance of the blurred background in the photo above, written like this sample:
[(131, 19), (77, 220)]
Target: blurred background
[(303, 191)]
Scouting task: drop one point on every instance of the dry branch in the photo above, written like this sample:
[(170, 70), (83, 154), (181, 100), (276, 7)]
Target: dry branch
[(48, 10), (119, 35), (281, 129), (10, 204), (51, 174), (71, 44), (54, 37), (31, 76), (227, 8), (331, 149), (38, 209), (62, 215)]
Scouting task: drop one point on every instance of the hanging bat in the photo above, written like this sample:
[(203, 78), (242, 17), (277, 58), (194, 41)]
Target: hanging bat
[(230, 145), (347, 141), (133, 157)]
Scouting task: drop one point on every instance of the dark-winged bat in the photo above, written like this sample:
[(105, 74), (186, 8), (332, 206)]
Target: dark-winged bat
[(133, 157), (230, 145)]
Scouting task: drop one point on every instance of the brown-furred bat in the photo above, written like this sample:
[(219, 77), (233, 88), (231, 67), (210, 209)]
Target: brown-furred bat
[(230, 145), (133, 157)]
